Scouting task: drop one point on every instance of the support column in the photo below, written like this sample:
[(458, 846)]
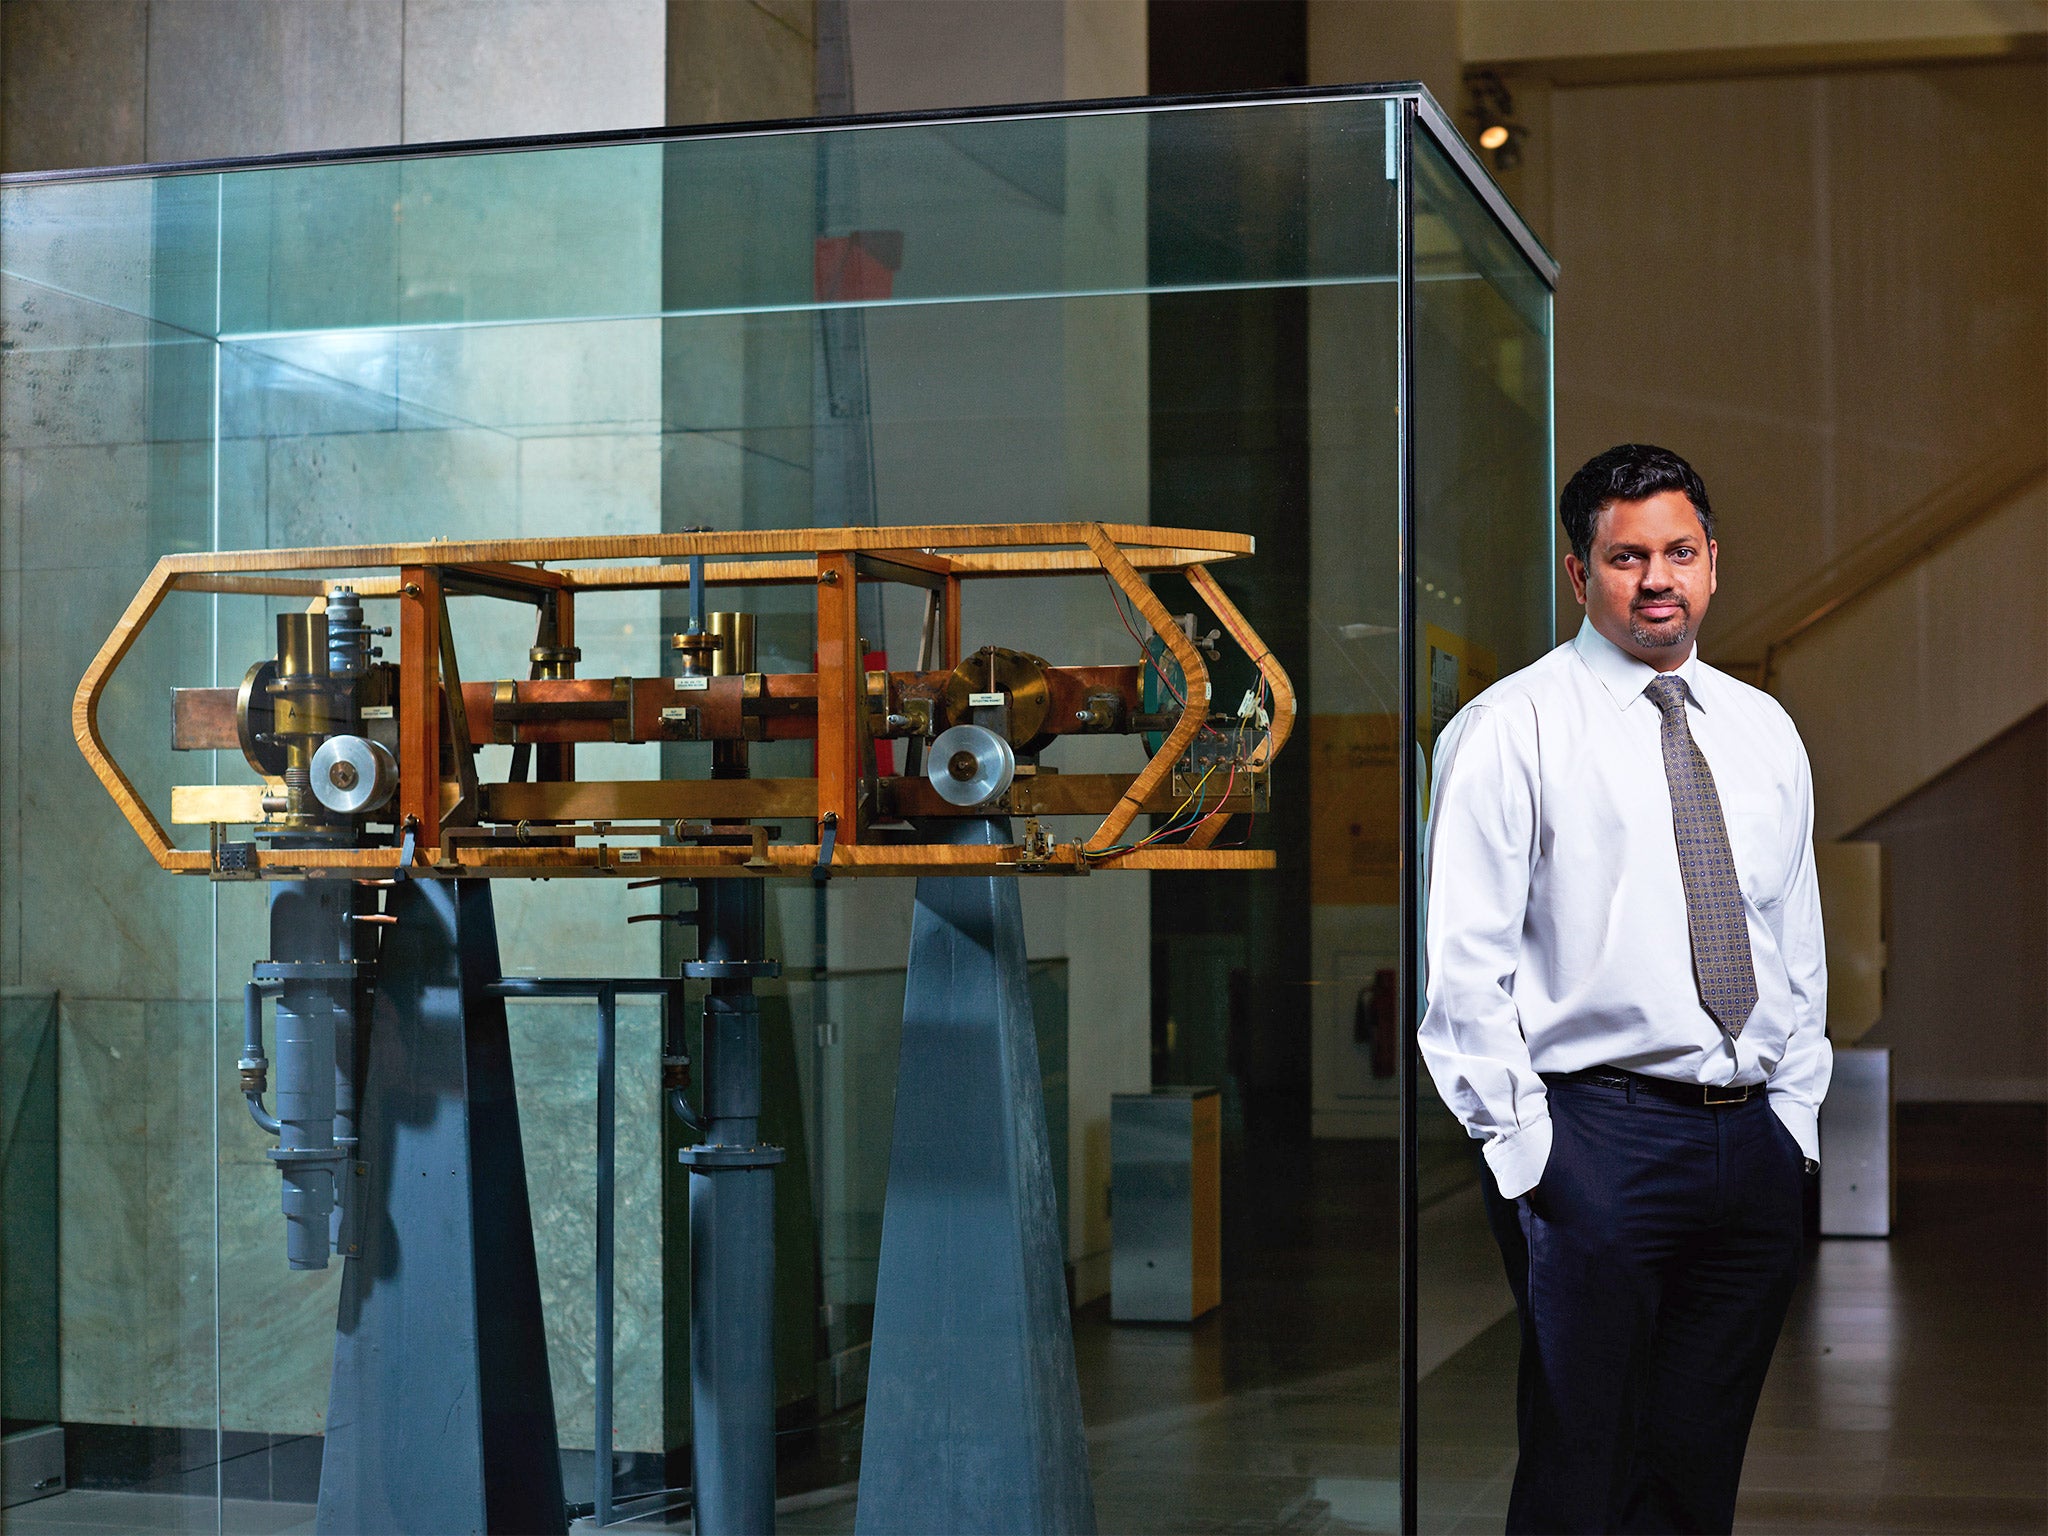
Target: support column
[(441, 1418), (732, 1230), (974, 1409)]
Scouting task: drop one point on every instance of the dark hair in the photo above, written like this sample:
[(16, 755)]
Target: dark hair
[(1630, 472)]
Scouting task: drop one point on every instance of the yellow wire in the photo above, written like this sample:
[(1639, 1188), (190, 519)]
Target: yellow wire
[(1103, 853)]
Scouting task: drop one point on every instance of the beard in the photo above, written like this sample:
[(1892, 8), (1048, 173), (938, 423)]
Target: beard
[(1674, 631)]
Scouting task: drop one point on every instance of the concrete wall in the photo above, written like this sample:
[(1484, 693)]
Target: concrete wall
[(191, 79)]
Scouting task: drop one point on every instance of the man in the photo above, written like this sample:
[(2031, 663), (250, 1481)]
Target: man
[(1627, 999)]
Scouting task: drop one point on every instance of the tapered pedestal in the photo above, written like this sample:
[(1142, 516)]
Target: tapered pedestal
[(974, 1411), (440, 1419)]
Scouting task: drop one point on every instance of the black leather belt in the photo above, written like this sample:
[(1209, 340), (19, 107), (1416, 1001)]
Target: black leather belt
[(1711, 1095)]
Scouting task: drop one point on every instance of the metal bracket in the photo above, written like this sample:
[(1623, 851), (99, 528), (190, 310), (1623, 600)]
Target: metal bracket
[(335, 1155), (727, 1156), (1036, 848), (232, 860), (683, 919), (731, 970), (828, 839), (307, 970)]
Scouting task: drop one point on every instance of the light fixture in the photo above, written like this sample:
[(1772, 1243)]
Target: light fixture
[(1493, 108)]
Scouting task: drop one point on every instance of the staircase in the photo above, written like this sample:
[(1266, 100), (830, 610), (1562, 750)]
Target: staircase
[(1909, 653)]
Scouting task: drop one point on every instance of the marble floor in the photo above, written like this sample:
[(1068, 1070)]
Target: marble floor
[(1909, 1394)]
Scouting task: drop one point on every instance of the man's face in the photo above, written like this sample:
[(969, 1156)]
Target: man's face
[(1650, 577)]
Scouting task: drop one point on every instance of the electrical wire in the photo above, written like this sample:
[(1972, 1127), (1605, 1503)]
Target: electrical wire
[(1098, 853), (1117, 600), (1198, 796)]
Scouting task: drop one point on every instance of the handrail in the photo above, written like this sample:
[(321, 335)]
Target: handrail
[(1933, 522)]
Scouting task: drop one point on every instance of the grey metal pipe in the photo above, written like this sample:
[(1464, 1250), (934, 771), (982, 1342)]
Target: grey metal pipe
[(674, 1050), (732, 1234), (732, 1350), (310, 952), (679, 1102), (254, 1066), (339, 1233), (305, 1114)]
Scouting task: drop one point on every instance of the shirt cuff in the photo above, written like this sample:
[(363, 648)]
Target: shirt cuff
[(1519, 1157), (1801, 1120)]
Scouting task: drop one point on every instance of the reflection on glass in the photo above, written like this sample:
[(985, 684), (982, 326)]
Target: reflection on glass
[(1179, 316), (1484, 608)]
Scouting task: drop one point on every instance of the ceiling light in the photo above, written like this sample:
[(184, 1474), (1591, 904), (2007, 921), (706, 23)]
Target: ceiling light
[(1493, 109)]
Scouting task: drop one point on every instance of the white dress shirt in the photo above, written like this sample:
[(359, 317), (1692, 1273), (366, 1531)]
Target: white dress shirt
[(1557, 935)]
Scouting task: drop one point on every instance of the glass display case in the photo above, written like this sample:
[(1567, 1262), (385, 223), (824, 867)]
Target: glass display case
[(1307, 317)]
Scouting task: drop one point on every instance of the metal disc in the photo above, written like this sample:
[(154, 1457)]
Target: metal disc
[(1019, 677), (969, 765), (352, 775), (255, 717)]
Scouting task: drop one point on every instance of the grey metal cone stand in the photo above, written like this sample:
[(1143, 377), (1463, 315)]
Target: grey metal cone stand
[(974, 1409), (440, 1418)]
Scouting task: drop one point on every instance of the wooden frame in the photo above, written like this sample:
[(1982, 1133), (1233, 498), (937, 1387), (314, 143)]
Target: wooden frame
[(939, 557)]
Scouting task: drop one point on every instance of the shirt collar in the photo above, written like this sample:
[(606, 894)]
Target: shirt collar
[(1623, 675)]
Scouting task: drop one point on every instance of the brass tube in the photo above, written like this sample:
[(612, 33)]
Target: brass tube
[(302, 644), (735, 634)]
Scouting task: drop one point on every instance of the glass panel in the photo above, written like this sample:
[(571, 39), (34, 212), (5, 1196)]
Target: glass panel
[(28, 1212), (1484, 608), (849, 1024), (1184, 316), (108, 421)]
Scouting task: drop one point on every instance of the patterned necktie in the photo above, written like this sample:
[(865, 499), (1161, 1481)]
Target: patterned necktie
[(1713, 900)]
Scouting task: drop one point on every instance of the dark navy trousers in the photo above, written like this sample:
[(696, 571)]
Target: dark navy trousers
[(1652, 1267)]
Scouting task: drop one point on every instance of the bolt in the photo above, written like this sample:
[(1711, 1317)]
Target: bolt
[(343, 775)]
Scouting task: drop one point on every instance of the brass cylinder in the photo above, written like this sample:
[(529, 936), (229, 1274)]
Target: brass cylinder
[(554, 661), (735, 635), (304, 710), (302, 645)]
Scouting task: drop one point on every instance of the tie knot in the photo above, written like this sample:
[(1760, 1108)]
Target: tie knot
[(1667, 693)]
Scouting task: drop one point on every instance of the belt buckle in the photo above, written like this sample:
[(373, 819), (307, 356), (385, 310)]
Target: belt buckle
[(1732, 1094)]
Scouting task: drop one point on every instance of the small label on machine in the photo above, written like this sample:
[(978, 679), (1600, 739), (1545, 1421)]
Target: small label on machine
[(376, 711), (984, 701), (696, 684)]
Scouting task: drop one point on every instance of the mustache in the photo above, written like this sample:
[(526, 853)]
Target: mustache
[(1661, 599)]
